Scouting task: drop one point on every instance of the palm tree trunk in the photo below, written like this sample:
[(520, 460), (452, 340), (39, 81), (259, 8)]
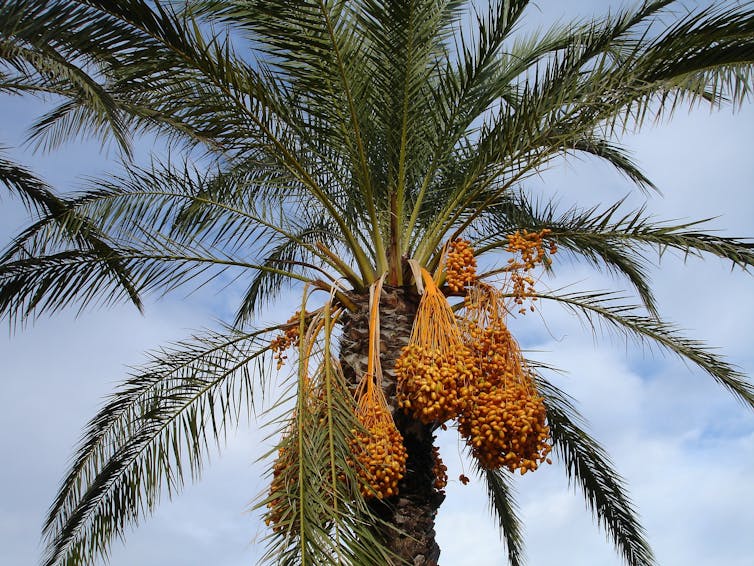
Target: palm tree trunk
[(411, 512)]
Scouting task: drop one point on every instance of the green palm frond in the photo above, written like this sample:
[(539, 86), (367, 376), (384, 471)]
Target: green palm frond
[(324, 521), (155, 432), (210, 224), (266, 285), (604, 309), (467, 84), (223, 89), (218, 209), (503, 507), (717, 72), (635, 228), (72, 230), (589, 467), (34, 193), (615, 156), (624, 242), (366, 112), (315, 507), (268, 119), (85, 278), (572, 92), (50, 55)]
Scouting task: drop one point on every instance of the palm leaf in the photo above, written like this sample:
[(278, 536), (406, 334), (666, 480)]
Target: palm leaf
[(315, 506), (153, 433), (589, 467), (609, 309), (54, 56), (612, 238), (504, 508), (52, 282)]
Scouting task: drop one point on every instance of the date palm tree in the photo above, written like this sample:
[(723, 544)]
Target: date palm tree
[(340, 148)]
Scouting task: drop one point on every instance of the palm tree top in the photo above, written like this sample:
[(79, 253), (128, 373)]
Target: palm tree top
[(339, 146)]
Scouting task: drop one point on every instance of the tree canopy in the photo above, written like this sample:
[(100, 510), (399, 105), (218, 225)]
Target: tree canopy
[(340, 147)]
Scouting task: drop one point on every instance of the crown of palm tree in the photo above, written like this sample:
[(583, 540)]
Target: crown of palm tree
[(326, 143)]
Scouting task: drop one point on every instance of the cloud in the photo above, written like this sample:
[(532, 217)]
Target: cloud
[(55, 375)]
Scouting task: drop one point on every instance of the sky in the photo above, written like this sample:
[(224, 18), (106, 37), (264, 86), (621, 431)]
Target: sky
[(684, 446)]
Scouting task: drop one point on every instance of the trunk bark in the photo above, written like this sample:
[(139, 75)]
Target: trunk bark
[(412, 512)]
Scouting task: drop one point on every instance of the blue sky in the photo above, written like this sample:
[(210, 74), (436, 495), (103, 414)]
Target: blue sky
[(685, 446)]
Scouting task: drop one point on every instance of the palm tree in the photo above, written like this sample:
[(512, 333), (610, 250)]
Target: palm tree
[(360, 152)]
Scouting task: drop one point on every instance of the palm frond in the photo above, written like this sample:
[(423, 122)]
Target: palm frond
[(609, 308), (610, 237), (333, 75), (615, 156), (597, 81), (64, 48), (155, 432), (266, 285), (204, 223), (35, 194), (315, 507), (476, 80), (73, 230), (636, 228), (503, 507), (199, 88), (704, 56), (47, 284), (589, 467)]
